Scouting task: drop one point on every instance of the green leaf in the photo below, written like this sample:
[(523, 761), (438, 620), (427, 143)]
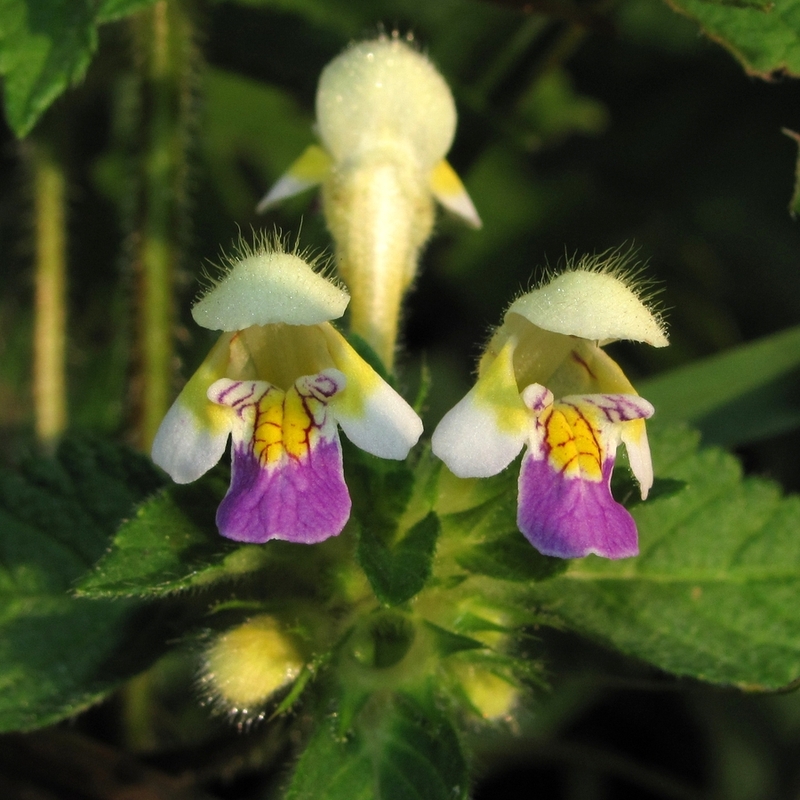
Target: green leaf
[(397, 572), (510, 557), (45, 47), (397, 529), (447, 642), (170, 544), (764, 39), (484, 538), (735, 397), (59, 654), (399, 749), (625, 487), (714, 593)]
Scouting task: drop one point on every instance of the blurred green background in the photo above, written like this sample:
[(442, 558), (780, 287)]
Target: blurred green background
[(583, 126)]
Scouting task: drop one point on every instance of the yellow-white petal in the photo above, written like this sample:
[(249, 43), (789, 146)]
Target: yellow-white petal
[(309, 170), (184, 447), (193, 434), (266, 288), (482, 433), (381, 90), (470, 442), (591, 305), (372, 415), (634, 436), (386, 427), (448, 189)]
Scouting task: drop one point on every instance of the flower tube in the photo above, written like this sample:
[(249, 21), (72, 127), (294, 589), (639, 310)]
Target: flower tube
[(281, 381), (545, 382)]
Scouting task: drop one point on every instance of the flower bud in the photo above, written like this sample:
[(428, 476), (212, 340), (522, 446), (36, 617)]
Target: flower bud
[(386, 119), (247, 664), (490, 695)]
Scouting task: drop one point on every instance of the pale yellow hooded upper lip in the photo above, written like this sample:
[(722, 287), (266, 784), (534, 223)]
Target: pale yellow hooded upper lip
[(270, 287), (592, 305)]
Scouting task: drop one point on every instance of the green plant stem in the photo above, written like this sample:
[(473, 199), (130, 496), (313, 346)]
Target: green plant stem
[(165, 47), (166, 59), (49, 338)]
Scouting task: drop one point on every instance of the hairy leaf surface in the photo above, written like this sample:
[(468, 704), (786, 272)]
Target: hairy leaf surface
[(59, 654), (714, 593)]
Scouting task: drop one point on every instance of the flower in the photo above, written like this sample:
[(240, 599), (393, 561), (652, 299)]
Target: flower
[(386, 119), (544, 381), (280, 380)]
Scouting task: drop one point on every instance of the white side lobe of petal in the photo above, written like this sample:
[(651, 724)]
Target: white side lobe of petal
[(373, 416), (386, 426), (309, 170), (287, 185), (185, 448), (470, 442), (448, 189), (193, 434), (634, 437)]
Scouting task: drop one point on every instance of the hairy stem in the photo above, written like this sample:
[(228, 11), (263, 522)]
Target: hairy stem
[(166, 47), (49, 339)]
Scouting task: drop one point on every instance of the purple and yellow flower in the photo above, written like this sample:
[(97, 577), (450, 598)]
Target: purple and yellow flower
[(281, 381), (545, 382)]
